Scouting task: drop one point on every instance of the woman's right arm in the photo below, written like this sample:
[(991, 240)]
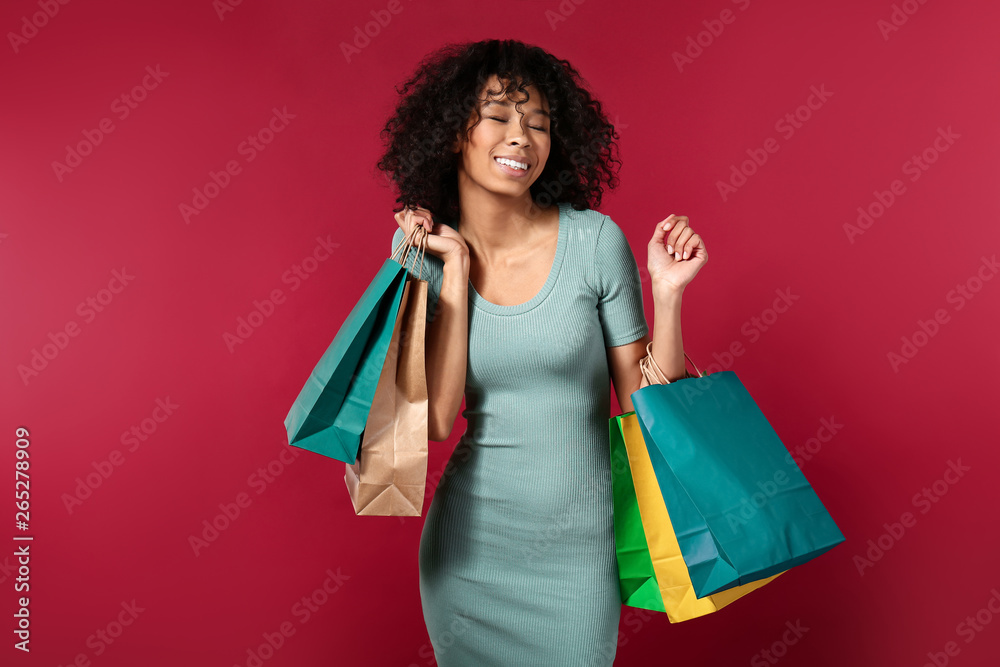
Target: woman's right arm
[(447, 348), (447, 336)]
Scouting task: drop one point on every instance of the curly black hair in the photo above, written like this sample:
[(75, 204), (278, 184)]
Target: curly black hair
[(439, 99)]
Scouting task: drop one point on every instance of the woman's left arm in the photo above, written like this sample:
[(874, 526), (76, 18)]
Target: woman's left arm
[(676, 254)]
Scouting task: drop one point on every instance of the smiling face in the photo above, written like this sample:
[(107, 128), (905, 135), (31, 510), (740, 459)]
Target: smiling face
[(503, 131)]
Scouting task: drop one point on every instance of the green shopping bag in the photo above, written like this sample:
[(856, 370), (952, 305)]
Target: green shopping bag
[(328, 417), (741, 508), (636, 578)]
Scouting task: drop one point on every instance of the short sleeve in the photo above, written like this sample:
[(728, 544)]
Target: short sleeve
[(432, 271), (615, 280)]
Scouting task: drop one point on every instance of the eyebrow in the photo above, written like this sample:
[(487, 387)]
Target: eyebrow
[(507, 104)]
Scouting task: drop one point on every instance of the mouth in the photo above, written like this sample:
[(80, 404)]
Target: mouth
[(509, 169)]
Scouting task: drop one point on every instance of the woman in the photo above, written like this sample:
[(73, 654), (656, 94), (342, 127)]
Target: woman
[(534, 305)]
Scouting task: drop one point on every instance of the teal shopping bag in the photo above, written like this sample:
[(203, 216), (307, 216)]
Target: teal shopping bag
[(328, 416), (741, 508)]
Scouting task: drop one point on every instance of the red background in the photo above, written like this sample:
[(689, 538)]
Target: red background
[(162, 336)]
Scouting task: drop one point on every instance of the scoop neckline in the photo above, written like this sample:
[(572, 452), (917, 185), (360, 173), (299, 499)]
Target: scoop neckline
[(480, 302)]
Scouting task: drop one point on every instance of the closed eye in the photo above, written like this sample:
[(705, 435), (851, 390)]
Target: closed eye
[(504, 120)]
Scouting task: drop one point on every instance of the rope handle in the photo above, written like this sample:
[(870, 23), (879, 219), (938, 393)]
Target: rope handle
[(651, 373), (407, 243)]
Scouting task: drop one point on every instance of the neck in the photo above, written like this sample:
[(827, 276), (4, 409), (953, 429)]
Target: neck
[(496, 226)]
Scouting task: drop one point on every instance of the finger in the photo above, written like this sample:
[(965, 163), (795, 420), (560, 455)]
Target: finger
[(409, 223), (415, 217), (402, 220), (421, 216), (681, 242), (692, 245), (661, 230), (680, 224)]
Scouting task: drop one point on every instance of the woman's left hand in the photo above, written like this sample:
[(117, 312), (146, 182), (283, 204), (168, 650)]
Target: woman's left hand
[(676, 254)]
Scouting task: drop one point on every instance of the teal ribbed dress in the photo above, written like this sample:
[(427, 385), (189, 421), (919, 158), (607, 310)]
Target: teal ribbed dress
[(517, 555)]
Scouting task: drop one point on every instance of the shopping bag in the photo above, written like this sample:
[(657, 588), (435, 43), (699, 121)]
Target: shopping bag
[(390, 475), (636, 577), (332, 407), (740, 507), (669, 587), (652, 572)]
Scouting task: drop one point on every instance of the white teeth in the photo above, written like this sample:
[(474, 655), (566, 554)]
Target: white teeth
[(511, 163)]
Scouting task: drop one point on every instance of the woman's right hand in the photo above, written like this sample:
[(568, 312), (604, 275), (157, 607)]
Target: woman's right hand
[(442, 240)]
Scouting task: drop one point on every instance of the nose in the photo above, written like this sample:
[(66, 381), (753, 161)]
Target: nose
[(518, 140), (518, 136)]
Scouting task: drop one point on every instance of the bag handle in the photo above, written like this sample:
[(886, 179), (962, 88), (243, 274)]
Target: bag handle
[(651, 373), (407, 243)]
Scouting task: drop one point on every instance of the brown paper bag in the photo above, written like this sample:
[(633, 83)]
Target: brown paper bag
[(390, 475)]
